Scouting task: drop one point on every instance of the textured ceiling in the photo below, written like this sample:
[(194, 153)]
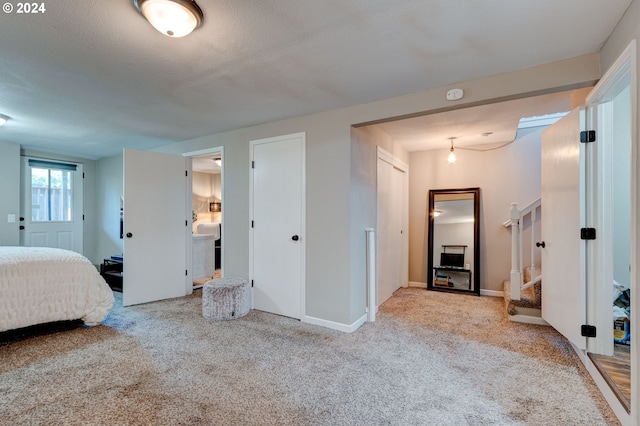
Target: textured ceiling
[(469, 126), (87, 78)]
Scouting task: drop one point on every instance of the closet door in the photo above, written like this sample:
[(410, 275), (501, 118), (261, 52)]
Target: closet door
[(391, 244), (277, 217)]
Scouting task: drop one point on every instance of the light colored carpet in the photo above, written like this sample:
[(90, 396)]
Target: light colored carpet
[(430, 359)]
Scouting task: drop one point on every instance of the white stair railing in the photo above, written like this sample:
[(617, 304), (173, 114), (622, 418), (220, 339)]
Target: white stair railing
[(371, 274), (520, 234)]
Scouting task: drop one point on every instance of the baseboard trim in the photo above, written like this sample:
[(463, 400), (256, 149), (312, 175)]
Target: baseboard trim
[(605, 390), (527, 319), (483, 292), (345, 328), (492, 293)]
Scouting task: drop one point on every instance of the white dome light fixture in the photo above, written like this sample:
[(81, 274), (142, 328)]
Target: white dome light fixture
[(452, 155), (173, 18), (3, 119)]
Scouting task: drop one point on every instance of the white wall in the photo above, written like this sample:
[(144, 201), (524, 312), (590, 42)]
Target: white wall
[(621, 189), (109, 189), (9, 193)]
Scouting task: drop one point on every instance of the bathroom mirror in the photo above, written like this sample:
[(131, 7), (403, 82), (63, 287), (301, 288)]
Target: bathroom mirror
[(453, 258)]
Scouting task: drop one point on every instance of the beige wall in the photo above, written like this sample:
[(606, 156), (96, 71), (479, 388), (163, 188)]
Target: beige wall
[(334, 236), (504, 175)]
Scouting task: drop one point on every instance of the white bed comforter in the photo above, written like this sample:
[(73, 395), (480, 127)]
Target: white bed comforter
[(40, 285)]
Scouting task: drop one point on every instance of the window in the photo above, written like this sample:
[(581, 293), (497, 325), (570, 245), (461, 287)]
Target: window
[(51, 191)]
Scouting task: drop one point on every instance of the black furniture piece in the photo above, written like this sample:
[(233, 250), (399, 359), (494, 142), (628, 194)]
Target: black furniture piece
[(111, 271), (446, 276)]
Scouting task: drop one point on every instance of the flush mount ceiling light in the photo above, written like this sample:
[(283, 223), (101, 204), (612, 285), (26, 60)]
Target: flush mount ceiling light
[(452, 155), (174, 18), (218, 161), (3, 119)]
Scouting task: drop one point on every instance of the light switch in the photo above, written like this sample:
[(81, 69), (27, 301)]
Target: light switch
[(11, 218)]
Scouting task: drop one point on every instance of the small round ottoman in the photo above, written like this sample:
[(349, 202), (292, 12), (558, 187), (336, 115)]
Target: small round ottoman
[(226, 298)]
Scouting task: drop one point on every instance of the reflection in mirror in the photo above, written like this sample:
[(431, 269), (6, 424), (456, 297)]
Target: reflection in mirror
[(453, 258)]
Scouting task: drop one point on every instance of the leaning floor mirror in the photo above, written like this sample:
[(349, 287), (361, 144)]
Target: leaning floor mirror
[(453, 259)]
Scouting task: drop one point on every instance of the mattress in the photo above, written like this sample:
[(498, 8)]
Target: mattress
[(40, 285)]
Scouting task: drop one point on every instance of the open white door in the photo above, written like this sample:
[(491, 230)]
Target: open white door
[(155, 225), (563, 254)]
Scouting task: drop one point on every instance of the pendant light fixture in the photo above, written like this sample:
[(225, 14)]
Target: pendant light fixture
[(452, 155), (174, 18)]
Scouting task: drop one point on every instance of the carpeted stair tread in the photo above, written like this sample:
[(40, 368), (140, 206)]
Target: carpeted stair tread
[(530, 298)]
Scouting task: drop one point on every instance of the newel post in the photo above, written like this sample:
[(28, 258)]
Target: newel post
[(516, 273)]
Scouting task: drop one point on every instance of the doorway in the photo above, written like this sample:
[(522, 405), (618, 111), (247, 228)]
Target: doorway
[(51, 209), (611, 196), (206, 213), (590, 189)]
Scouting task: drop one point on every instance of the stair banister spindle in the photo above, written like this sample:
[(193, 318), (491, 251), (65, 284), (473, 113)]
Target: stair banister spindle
[(516, 258), (534, 216)]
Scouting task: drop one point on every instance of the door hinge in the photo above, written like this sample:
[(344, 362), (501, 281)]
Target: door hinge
[(186, 173), (186, 223), (588, 233), (82, 217), (186, 272), (251, 283), (252, 224), (588, 330), (82, 175), (587, 136), (253, 164)]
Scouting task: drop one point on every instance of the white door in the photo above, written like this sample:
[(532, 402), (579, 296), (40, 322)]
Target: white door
[(390, 229), (563, 282), (277, 233), (155, 227), (51, 204)]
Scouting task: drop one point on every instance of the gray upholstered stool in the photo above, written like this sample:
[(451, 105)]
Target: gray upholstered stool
[(226, 298)]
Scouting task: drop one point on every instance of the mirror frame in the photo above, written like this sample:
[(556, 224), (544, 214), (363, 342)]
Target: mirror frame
[(476, 239)]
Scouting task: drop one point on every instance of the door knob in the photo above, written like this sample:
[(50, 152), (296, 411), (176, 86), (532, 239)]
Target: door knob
[(129, 235), (540, 244), (295, 238)]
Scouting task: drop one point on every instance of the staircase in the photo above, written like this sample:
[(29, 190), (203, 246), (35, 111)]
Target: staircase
[(523, 292), (528, 308)]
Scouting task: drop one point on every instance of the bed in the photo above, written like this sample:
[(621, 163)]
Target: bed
[(40, 285)]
